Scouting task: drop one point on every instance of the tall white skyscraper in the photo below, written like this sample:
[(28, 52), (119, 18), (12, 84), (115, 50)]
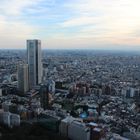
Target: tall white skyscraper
[(23, 78), (34, 60)]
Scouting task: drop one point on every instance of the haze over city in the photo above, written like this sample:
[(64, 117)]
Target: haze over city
[(71, 24), (69, 70)]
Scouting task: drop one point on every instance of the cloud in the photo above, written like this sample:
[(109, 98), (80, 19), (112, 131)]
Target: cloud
[(13, 7), (83, 20), (16, 7), (79, 22), (14, 34), (108, 21), (13, 29)]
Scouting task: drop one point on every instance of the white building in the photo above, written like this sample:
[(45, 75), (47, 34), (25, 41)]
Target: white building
[(14, 120), (78, 131), (63, 129), (5, 106), (9, 119), (118, 137), (64, 125), (0, 92), (6, 118)]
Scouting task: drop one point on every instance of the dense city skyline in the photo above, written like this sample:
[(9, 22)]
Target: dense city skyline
[(80, 24), (96, 91)]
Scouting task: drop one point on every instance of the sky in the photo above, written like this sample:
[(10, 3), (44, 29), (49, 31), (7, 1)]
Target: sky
[(71, 24)]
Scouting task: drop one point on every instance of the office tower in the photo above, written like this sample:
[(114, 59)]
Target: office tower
[(44, 96), (23, 78), (34, 61)]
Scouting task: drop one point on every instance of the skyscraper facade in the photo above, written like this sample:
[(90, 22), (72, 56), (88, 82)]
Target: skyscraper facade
[(34, 61), (44, 96), (23, 78)]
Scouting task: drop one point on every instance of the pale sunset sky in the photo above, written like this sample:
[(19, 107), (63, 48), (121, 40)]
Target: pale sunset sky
[(71, 24)]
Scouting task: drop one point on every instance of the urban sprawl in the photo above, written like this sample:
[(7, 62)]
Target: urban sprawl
[(73, 94)]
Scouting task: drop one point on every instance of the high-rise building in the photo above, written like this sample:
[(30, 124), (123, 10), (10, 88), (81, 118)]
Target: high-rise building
[(34, 61), (23, 78), (44, 96)]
